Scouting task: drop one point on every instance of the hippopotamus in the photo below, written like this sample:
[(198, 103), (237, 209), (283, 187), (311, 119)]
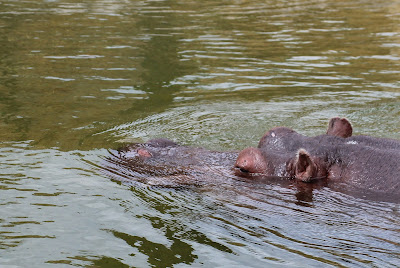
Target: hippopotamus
[(162, 162), (337, 159), (363, 162)]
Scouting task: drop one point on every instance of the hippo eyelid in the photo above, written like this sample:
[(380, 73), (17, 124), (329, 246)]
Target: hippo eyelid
[(273, 134)]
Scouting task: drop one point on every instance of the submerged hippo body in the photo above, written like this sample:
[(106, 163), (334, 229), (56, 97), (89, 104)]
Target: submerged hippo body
[(162, 162)]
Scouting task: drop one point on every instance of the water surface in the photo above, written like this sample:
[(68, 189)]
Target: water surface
[(80, 77)]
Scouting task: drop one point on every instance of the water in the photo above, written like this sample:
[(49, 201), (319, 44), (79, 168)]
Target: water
[(80, 77)]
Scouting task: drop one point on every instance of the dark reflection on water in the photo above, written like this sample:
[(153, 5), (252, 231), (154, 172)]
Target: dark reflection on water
[(80, 77)]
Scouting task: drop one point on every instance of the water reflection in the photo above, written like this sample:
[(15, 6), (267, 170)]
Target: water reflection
[(69, 76), (83, 75), (158, 254)]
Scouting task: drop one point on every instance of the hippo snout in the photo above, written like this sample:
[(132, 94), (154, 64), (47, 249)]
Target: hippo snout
[(250, 160), (242, 166)]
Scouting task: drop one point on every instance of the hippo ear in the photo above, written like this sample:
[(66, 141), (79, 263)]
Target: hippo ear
[(340, 127), (305, 167)]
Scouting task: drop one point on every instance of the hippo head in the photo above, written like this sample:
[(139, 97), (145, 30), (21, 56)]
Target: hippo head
[(152, 150), (339, 127), (147, 150), (277, 137), (301, 166)]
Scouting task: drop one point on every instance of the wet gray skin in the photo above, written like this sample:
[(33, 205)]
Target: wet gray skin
[(360, 164), (164, 163)]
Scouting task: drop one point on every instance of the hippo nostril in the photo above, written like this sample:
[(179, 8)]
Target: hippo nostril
[(243, 170)]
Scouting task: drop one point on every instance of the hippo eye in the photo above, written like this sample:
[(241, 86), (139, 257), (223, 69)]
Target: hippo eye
[(273, 134)]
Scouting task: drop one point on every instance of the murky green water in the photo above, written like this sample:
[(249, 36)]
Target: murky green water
[(79, 77)]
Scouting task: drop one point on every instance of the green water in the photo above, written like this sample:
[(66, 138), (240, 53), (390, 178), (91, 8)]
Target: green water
[(80, 77)]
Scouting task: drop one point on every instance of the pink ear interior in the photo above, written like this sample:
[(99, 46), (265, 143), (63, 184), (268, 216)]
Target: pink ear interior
[(143, 152), (305, 167), (303, 162)]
